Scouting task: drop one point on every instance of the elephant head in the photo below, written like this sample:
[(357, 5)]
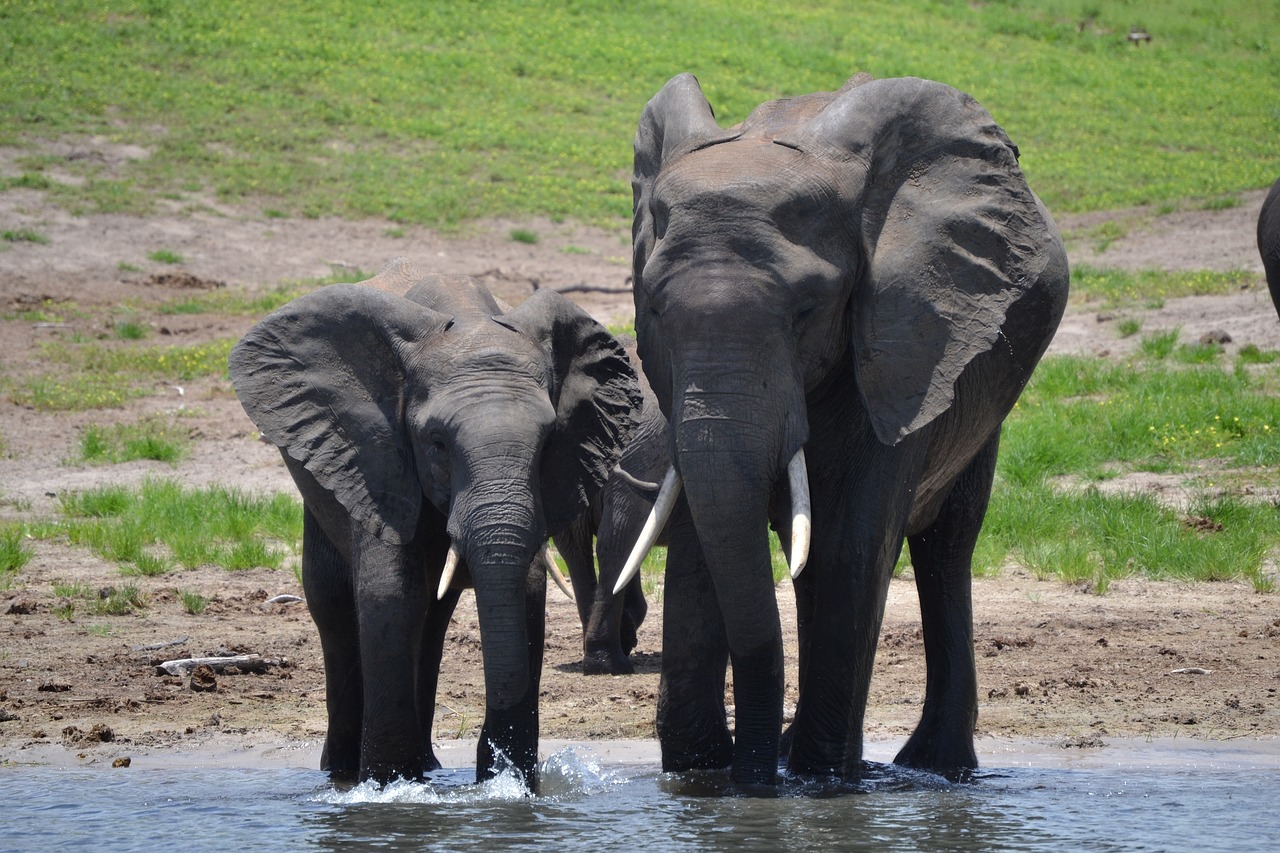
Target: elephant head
[(414, 408), (850, 252)]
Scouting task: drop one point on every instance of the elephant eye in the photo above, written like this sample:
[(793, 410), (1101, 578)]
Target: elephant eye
[(660, 214)]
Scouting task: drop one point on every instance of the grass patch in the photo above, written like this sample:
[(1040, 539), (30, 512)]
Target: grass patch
[(165, 256), (1094, 420), (131, 330), (439, 115), (163, 525), (524, 235), (1114, 287), (153, 438), (111, 601), (13, 553), (23, 235), (98, 375), (192, 602)]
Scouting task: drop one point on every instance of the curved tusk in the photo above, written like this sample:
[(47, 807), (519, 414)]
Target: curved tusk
[(801, 513), (553, 571), (663, 504), (450, 566)]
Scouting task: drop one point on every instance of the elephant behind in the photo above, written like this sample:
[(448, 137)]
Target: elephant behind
[(838, 301), (438, 439), (614, 521), (1269, 241)]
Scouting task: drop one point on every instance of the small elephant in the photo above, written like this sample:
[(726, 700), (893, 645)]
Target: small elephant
[(838, 301), (610, 620), (438, 439), (1269, 241)]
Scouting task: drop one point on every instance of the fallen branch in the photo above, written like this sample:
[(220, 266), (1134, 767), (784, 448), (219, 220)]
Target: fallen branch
[(245, 663), (590, 288)]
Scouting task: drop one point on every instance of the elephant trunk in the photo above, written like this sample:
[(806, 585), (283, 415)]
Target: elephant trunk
[(734, 433), (498, 533)]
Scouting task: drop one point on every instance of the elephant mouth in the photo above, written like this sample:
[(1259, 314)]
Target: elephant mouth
[(664, 504)]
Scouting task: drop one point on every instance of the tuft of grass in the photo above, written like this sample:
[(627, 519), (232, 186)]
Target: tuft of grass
[(150, 530), (23, 235), (193, 602), (13, 553), (1128, 327), (1160, 345), (131, 330), (524, 235), (150, 438), (165, 256)]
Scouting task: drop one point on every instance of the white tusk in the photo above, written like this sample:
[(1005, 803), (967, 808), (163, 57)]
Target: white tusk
[(663, 504), (801, 513), (450, 566), (554, 572)]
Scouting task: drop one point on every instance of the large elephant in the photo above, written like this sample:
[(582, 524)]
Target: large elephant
[(838, 301), (614, 521), (437, 438), (1269, 241)]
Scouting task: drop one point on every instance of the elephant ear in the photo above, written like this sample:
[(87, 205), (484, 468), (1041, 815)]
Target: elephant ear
[(596, 397), (324, 379), (951, 237), (676, 121)]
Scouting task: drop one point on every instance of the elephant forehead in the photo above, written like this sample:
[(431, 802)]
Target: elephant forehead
[(743, 168)]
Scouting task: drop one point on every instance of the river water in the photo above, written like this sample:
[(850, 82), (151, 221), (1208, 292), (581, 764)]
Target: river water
[(1139, 795)]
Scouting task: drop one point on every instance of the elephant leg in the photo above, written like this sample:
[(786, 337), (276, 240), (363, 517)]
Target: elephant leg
[(429, 656), (852, 560), (692, 727), (613, 615), (519, 723), (634, 610), (327, 583), (574, 545), (392, 590), (942, 558)]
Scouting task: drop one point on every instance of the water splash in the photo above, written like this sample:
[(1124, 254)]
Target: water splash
[(569, 773)]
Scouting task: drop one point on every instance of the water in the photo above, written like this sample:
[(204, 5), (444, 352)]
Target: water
[(1143, 796)]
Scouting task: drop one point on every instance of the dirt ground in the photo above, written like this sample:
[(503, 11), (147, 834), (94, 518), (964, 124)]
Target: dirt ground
[(1056, 663)]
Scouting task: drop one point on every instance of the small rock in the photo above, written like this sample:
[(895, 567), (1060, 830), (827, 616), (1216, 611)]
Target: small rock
[(1215, 336), (122, 762)]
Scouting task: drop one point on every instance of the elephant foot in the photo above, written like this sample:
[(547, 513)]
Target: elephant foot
[(606, 662), (628, 636), (951, 757), (715, 753)]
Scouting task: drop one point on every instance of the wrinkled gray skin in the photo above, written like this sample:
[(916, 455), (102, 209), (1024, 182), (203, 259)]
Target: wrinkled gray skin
[(1269, 241), (863, 274), (610, 621), (413, 411)]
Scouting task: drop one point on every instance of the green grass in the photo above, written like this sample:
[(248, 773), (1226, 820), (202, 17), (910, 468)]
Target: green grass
[(162, 525), (96, 375), (13, 553), (111, 601), (1115, 287), (193, 602), (524, 235), (440, 113), (150, 438), (165, 256), (23, 235), (1213, 426)]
